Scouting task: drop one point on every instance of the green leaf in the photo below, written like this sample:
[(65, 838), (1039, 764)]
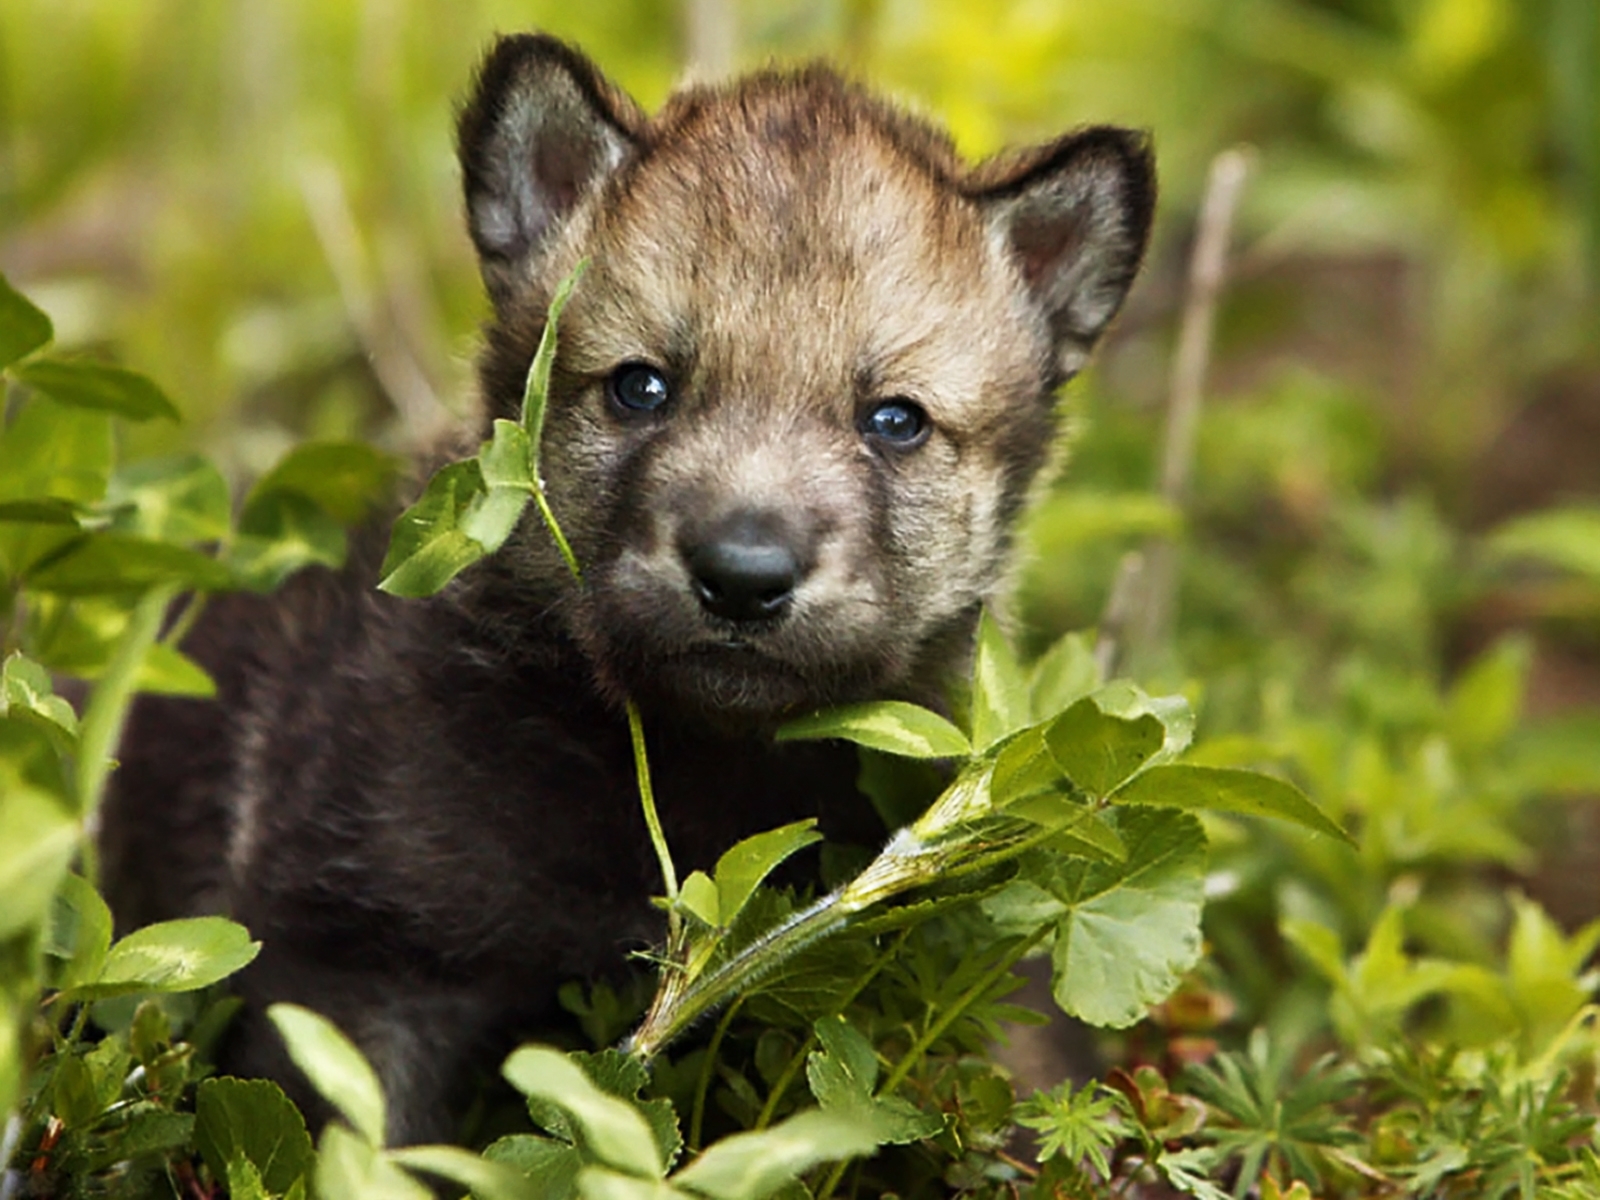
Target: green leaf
[(1064, 674), (37, 840), (428, 548), (1089, 832), (1123, 699), (536, 391), (351, 1167), (507, 477), (751, 1166), (597, 1183), (841, 1077), (243, 1180), (96, 386), (1485, 704), (550, 1166), (345, 479), (80, 932), (167, 671), (281, 532), (1000, 699), (252, 1121), (612, 1128), (23, 327), (1099, 751), (1564, 537), (1227, 789), (1125, 933), (110, 564), (485, 1178), (741, 869), (25, 690), (173, 956), (54, 454), (890, 725), (180, 499), (699, 895), (47, 510), (339, 1071)]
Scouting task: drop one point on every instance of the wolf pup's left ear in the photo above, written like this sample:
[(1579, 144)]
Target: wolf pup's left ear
[(543, 127), (1076, 216)]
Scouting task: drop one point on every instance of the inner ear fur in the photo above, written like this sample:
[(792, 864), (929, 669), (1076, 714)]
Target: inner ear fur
[(543, 126), (1075, 214)]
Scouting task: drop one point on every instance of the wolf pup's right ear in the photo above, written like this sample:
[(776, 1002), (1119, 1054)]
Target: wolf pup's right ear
[(543, 127), (1075, 214)]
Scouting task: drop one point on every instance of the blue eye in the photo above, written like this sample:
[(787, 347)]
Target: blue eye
[(900, 422), (640, 387)]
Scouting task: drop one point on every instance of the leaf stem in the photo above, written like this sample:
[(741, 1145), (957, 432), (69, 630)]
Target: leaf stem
[(936, 1030), (108, 710), (703, 1086), (560, 538)]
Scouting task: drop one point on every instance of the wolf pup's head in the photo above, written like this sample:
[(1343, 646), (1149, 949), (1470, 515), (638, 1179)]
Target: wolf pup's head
[(807, 380)]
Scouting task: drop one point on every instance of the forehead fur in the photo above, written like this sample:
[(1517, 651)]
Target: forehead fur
[(793, 221)]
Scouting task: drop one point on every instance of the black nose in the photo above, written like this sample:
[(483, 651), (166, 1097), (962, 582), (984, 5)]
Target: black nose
[(743, 568)]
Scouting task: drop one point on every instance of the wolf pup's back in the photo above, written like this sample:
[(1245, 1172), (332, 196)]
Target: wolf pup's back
[(802, 395)]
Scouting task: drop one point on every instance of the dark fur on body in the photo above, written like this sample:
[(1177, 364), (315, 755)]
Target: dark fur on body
[(426, 809)]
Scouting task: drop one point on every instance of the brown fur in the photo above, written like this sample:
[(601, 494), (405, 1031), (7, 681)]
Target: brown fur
[(426, 809)]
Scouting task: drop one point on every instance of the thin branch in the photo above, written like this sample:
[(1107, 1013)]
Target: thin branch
[(1140, 612), (399, 371)]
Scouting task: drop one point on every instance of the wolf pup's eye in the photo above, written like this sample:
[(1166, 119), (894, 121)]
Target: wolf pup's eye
[(900, 423), (639, 387)]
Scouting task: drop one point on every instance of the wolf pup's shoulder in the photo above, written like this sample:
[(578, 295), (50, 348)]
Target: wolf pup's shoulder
[(802, 394)]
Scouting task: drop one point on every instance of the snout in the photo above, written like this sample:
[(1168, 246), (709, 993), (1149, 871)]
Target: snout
[(744, 567)]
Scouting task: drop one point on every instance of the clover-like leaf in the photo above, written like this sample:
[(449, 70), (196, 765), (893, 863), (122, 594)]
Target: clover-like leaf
[(752, 1166)]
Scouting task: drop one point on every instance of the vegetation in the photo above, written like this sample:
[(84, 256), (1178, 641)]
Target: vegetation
[(1356, 996)]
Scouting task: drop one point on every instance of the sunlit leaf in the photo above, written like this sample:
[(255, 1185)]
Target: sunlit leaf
[(751, 1166), (167, 671), (890, 725), (174, 956), (80, 932), (504, 464), (427, 547), (335, 1067), (251, 1120), (552, 1165), (486, 1179), (26, 689), (613, 1129), (93, 385), (181, 499), (352, 1167), (1099, 751), (1000, 699), (37, 840), (1563, 537), (536, 390), (743, 867), (1064, 673), (282, 532), (1485, 703), (23, 327), (1226, 789)]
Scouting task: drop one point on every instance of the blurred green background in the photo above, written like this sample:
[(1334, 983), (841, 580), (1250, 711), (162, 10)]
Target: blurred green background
[(256, 203)]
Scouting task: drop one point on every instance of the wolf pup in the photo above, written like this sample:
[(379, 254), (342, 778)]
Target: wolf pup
[(800, 397)]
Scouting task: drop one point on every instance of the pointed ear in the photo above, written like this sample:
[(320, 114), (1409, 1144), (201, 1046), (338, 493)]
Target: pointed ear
[(543, 127), (1076, 217)]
